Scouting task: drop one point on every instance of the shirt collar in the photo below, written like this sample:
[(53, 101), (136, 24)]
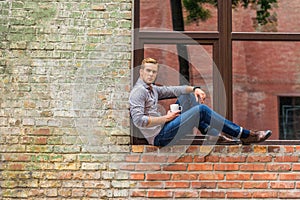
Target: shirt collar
[(141, 82)]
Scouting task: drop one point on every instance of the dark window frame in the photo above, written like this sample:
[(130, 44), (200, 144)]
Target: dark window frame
[(294, 98), (222, 49)]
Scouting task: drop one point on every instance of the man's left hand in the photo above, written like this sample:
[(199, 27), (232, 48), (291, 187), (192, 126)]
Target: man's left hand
[(200, 95)]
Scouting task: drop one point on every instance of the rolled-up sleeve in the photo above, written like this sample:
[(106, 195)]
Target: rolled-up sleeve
[(137, 101)]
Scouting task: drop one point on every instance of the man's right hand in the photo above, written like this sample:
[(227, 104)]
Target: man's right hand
[(172, 115)]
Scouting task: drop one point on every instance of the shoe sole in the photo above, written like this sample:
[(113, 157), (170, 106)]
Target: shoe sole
[(269, 133)]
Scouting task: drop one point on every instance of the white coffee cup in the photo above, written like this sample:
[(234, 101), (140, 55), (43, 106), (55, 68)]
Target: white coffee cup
[(175, 107)]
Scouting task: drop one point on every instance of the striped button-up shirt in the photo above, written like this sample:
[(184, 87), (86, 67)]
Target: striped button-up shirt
[(144, 103)]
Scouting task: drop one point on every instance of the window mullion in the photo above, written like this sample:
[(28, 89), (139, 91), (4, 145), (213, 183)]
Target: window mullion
[(224, 62)]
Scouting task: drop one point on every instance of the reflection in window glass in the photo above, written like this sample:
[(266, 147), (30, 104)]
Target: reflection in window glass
[(157, 15), (289, 118), (262, 71), (284, 17)]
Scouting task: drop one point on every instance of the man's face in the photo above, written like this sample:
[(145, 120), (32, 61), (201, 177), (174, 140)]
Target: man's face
[(149, 73)]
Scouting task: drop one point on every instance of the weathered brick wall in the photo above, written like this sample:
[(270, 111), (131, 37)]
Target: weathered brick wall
[(231, 172), (65, 79)]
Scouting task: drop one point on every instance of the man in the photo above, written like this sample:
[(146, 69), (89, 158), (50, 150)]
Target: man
[(162, 130)]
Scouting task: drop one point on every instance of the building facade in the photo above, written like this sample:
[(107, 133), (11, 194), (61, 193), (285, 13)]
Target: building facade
[(66, 70)]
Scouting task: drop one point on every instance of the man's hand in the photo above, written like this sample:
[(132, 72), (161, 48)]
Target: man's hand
[(200, 95), (172, 115)]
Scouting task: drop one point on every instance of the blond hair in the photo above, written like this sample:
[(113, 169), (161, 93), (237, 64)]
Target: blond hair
[(148, 60)]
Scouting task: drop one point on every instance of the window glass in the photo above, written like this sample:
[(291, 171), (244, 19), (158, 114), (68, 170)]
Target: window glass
[(157, 15), (263, 71), (284, 17), (289, 118)]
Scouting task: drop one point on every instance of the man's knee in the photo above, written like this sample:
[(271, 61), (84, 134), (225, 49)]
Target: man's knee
[(187, 100), (183, 97)]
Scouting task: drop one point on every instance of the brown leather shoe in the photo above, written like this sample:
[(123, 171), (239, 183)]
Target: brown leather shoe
[(256, 137)]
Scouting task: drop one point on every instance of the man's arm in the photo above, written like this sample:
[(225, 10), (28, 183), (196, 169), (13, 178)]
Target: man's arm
[(199, 94), (153, 121), (175, 91)]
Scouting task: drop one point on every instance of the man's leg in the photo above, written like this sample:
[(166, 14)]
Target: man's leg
[(188, 101), (200, 115), (230, 128), (177, 129)]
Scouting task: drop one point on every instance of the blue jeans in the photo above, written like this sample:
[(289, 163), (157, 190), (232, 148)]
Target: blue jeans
[(196, 115)]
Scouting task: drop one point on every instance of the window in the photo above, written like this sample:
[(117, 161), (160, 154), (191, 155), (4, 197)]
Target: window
[(262, 71), (249, 57), (289, 118)]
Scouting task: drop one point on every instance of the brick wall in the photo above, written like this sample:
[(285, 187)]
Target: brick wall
[(231, 172), (65, 79)]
